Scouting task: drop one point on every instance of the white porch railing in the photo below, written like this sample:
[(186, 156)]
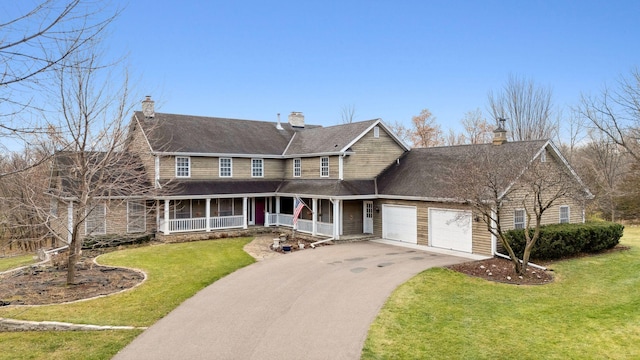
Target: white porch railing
[(226, 222), (325, 228), (237, 221), (305, 226), (200, 224)]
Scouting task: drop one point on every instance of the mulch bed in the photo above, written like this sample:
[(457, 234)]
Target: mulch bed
[(295, 247), (43, 285), (503, 271)]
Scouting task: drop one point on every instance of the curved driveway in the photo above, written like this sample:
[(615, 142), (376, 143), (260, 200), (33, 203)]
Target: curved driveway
[(313, 304)]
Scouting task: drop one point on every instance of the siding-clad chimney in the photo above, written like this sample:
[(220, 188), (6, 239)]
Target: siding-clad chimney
[(500, 134), (296, 119), (148, 107)]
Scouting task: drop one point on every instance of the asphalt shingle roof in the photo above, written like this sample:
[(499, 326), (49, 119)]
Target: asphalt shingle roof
[(430, 172), (326, 139)]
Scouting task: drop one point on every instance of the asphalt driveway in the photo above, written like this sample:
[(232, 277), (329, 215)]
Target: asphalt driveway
[(312, 304)]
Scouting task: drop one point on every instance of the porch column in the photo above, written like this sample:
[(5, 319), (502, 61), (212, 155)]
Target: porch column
[(208, 214), (70, 222), (277, 211), (157, 202), (166, 217), (314, 216), (337, 216), (244, 213)]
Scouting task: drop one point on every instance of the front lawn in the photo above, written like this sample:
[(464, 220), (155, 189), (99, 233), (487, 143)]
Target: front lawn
[(15, 261), (589, 312), (175, 273)]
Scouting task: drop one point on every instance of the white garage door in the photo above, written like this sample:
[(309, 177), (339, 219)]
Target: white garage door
[(450, 229), (400, 223)]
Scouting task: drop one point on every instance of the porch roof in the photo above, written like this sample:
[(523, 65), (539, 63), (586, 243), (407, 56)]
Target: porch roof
[(328, 187), (323, 187)]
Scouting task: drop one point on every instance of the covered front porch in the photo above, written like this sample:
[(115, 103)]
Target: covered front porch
[(322, 216)]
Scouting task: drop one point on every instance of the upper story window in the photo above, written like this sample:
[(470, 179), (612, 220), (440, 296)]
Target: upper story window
[(95, 221), (297, 167), (324, 166), (376, 132), (257, 168), (183, 166), (518, 219), (564, 214), (225, 167)]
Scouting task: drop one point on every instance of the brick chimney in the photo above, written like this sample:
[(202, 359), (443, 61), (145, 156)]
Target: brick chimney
[(500, 134), (148, 107), (296, 119)]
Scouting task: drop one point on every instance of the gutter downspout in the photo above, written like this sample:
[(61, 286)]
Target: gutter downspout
[(313, 245), (530, 263)]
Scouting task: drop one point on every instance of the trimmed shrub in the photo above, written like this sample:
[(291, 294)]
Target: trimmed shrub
[(562, 240)]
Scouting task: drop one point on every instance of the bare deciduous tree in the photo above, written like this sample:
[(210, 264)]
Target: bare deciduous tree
[(348, 114), (487, 179), (476, 128), (38, 39), (401, 131), (604, 166), (425, 132), (92, 172), (527, 107), (616, 113)]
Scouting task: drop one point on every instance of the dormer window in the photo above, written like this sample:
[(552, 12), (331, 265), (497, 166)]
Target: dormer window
[(324, 166), (183, 166), (257, 168), (225, 167), (376, 132)]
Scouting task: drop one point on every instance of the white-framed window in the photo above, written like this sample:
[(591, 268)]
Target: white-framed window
[(564, 214), (183, 166), (297, 167), (95, 221), (53, 207), (519, 219), (324, 166), (225, 167), (376, 132), (257, 168), (543, 156), (136, 216)]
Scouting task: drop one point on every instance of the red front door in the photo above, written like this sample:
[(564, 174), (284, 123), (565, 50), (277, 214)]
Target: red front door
[(259, 211)]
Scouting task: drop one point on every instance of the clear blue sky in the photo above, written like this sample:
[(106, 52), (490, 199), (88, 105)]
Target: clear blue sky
[(389, 59)]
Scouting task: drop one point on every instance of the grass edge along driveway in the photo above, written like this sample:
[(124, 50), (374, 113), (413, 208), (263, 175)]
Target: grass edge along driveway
[(175, 273), (589, 312)]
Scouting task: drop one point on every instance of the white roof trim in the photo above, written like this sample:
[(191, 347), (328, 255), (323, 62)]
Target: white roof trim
[(556, 151), (255, 156), (378, 122)]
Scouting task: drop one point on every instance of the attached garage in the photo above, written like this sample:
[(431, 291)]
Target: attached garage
[(400, 223), (450, 229)]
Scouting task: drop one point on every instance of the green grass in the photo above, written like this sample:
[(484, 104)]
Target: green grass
[(591, 311), (15, 261), (175, 273), (64, 345)]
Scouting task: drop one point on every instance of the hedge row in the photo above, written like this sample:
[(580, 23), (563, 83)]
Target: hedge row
[(561, 240)]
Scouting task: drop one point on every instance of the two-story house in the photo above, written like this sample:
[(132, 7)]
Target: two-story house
[(357, 178)]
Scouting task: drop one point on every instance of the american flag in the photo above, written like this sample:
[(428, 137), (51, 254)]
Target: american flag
[(298, 205)]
